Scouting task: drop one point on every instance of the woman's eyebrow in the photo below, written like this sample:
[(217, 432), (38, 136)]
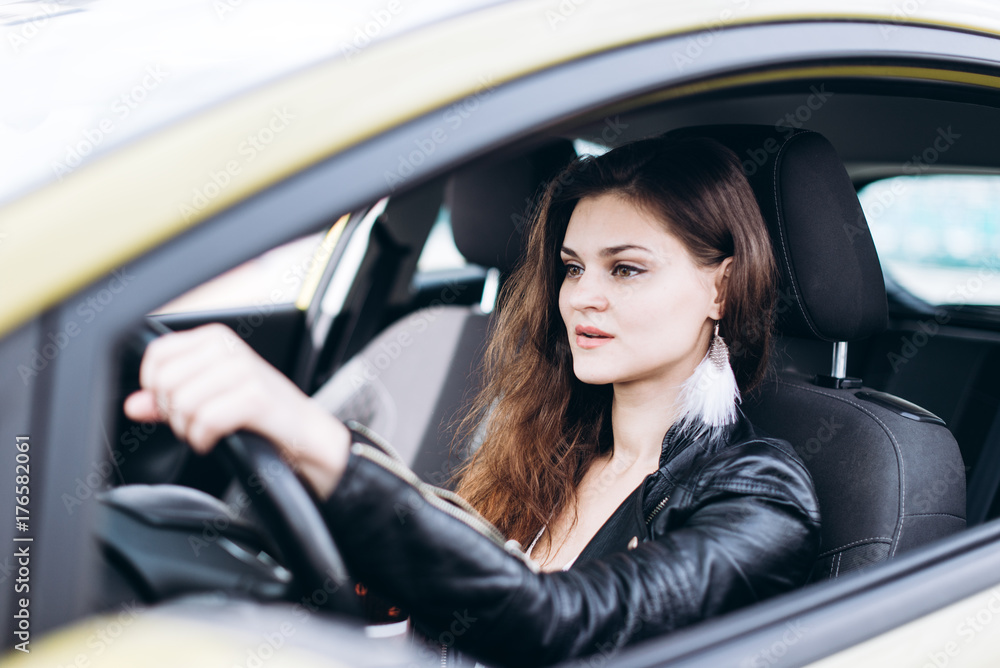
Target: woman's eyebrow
[(615, 250), (609, 251)]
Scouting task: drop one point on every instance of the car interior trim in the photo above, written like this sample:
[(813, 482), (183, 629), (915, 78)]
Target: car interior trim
[(784, 74), (318, 262)]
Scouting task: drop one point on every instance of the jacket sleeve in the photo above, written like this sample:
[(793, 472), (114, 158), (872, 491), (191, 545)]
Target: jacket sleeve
[(750, 535)]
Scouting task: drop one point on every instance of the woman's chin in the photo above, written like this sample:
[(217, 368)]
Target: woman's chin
[(592, 376)]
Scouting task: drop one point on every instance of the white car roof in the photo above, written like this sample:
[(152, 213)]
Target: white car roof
[(81, 76)]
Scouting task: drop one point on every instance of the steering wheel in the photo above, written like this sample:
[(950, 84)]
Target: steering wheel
[(287, 508)]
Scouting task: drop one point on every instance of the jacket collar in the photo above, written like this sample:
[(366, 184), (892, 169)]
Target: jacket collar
[(680, 436)]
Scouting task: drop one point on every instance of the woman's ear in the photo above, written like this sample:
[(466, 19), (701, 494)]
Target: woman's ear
[(720, 282)]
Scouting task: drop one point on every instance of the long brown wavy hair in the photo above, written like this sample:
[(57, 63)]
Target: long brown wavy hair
[(543, 427)]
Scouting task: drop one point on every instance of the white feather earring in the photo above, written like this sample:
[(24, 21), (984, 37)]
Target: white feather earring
[(708, 398)]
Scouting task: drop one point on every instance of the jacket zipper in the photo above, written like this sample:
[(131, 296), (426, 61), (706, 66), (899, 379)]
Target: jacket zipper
[(660, 506), (444, 656)]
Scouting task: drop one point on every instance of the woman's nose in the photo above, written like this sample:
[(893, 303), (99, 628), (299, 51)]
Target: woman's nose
[(589, 292)]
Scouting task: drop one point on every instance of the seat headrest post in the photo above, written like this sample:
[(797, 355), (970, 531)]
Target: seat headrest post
[(838, 377), (839, 369), (491, 289)]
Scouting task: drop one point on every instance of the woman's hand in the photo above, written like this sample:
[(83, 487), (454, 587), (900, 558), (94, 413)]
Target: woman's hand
[(208, 383)]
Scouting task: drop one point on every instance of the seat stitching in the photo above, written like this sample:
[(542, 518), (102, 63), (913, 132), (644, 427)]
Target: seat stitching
[(875, 539), (892, 439), (781, 237)]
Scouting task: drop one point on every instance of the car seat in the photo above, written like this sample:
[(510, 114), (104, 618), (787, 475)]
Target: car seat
[(889, 474)]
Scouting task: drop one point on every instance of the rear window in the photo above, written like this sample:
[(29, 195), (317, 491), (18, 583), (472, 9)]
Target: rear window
[(938, 236), (439, 252)]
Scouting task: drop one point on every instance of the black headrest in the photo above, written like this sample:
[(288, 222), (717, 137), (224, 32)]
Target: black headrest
[(831, 285), (490, 199)]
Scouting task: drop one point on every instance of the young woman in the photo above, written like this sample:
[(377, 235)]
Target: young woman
[(613, 441)]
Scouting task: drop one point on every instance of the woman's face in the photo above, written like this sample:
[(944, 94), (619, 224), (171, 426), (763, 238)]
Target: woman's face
[(637, 307)]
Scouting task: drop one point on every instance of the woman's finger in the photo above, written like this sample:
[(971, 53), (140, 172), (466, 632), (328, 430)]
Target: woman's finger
[(140, 406), (205, 341), (221, 415), (220, 378)]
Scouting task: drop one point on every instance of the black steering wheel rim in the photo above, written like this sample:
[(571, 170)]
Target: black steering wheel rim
[(288, 509)]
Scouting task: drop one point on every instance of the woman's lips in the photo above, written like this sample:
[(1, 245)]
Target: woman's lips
[(590, 337)]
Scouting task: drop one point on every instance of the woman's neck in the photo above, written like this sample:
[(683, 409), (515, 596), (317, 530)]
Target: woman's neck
[(640, 416)]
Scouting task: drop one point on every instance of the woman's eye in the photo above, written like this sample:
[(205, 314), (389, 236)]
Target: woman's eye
[(573, 270), (625, 271)]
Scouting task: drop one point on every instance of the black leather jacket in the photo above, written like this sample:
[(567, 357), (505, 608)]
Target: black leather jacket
[(726, 521)]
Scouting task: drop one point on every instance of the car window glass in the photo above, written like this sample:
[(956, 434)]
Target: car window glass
[(275, 277), (938, 235), (584, 147), (439, 251)]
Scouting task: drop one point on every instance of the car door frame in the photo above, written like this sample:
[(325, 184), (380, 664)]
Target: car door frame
[(69, 401)]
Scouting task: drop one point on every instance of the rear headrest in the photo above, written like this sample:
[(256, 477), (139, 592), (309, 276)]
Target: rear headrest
[(489, 201), (831, 285)]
